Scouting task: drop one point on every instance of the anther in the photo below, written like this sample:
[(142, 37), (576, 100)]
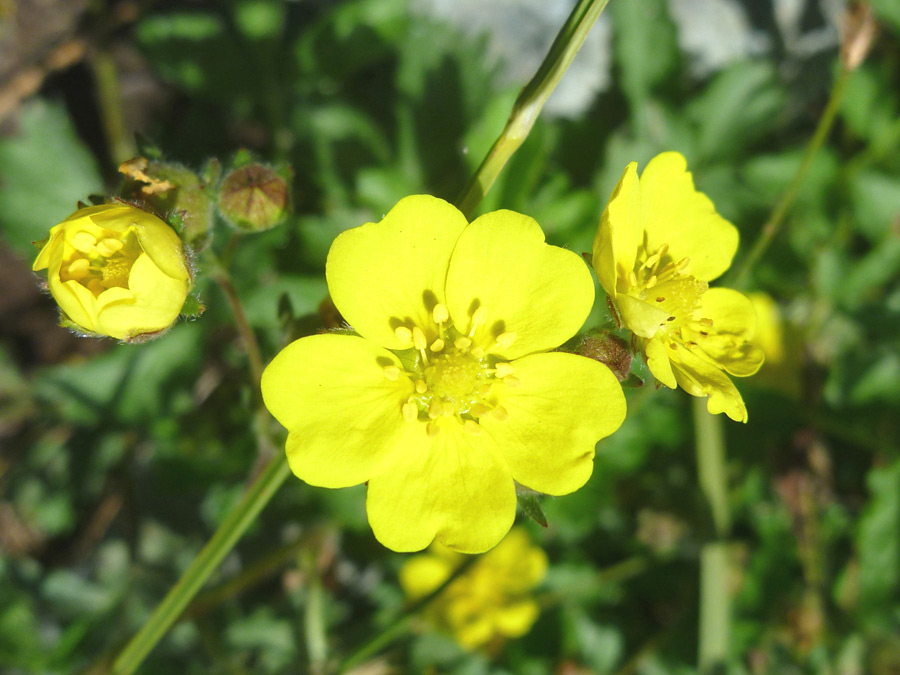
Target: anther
[(437, 345), (419, 341), (410, 411), (477, 352), (484, 390), (652, 260), (512, 381), (440, 313), (505, 340), (421, 387), (632, 279), (436, 409), (79, 268), (109, 246), (472, 427), (500, 413), (392, 373), (504, 369), (403, 334), (84, 242), (706, 322), (431, 429), (651, 282), (462, 344), (479, 409), (660, 299)]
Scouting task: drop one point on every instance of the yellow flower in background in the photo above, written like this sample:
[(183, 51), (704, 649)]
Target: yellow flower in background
[(491, 599), (781, 345), (116, 270), (659, 243), (446, 397)]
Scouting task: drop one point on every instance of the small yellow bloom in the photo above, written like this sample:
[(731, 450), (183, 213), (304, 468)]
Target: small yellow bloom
[(446, 397), (781, 345), (490, 599), (116, 270), (659, 243)]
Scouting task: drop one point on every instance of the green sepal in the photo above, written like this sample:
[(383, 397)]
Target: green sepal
[(192, 307), (211, 173), (632, 382), (39, 244), (531, 507)]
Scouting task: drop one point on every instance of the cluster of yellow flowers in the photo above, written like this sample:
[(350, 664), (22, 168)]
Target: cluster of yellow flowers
[(449, 393)]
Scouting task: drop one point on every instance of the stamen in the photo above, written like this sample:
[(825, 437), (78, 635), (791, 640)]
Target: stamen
[(632, 279), (504, 369), (403, 334), (84, 242), (440, 313), (484, 390), (431, 429), (421, 387), (651, 282), (392, 373), (472, 427), (706, 322), (479, 409), (419, 341), (505, 340), (478, 353), (436, 409), (500, 413), (79, 268), (462, 343), (437, 345), (651, 261), (410, 411), (477, 319), (109, 246), (512, 381)]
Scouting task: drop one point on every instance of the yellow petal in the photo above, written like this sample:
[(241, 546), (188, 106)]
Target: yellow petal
[(381, 274), (674, 213), (644, 319), (535, 294), (516, 619), (451, 486), (657, 353), (727, 341), (156, 238), (619, 234), (52, 252), (152, 302), (700, 377), (422, 574), (549, 447), (331, 393), (77, 303)]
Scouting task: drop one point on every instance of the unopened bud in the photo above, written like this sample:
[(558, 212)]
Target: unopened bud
[(254, 198), (858, 30), (610, 350)]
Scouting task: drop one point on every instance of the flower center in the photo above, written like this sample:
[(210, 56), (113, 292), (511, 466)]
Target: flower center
[(100, 263), (455, 379), (665, 283)]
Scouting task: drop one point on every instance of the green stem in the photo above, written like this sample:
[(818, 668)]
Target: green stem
[(109, 101), (529, 103), (773, 224), (313, 614), (206, 562), (715, 610), (399, 626), (245, 330)]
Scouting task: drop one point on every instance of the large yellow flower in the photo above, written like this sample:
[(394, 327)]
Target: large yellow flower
[(446, 398), (490, 599), (116, 270), (659, 243)]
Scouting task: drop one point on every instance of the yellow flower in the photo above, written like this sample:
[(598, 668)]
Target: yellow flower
[(446, 398), (490, 599), (781, 345), (659, 243), (116, 270)]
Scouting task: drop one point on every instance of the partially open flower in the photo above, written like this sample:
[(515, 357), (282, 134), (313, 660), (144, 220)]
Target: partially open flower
[(489, 601), (116, 270), (659, 243)]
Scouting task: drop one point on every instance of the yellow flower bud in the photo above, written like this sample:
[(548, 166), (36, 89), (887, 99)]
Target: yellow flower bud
[(116, 270)]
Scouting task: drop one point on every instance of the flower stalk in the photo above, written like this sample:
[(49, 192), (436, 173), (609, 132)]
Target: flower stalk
[(206, 562), (531, 100)]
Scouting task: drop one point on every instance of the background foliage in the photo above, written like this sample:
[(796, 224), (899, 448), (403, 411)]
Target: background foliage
[(119, 461)]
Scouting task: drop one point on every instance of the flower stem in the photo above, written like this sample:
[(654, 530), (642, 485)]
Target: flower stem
[(109, 102), (715, 602), (248, 337), (530, 101), (786, 200), (206, 562)]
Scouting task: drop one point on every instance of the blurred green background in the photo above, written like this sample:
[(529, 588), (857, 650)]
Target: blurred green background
[(118, 462)]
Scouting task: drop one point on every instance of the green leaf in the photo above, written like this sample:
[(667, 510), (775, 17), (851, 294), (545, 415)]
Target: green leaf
[(646, 48), (44, 170), (878, 540)]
